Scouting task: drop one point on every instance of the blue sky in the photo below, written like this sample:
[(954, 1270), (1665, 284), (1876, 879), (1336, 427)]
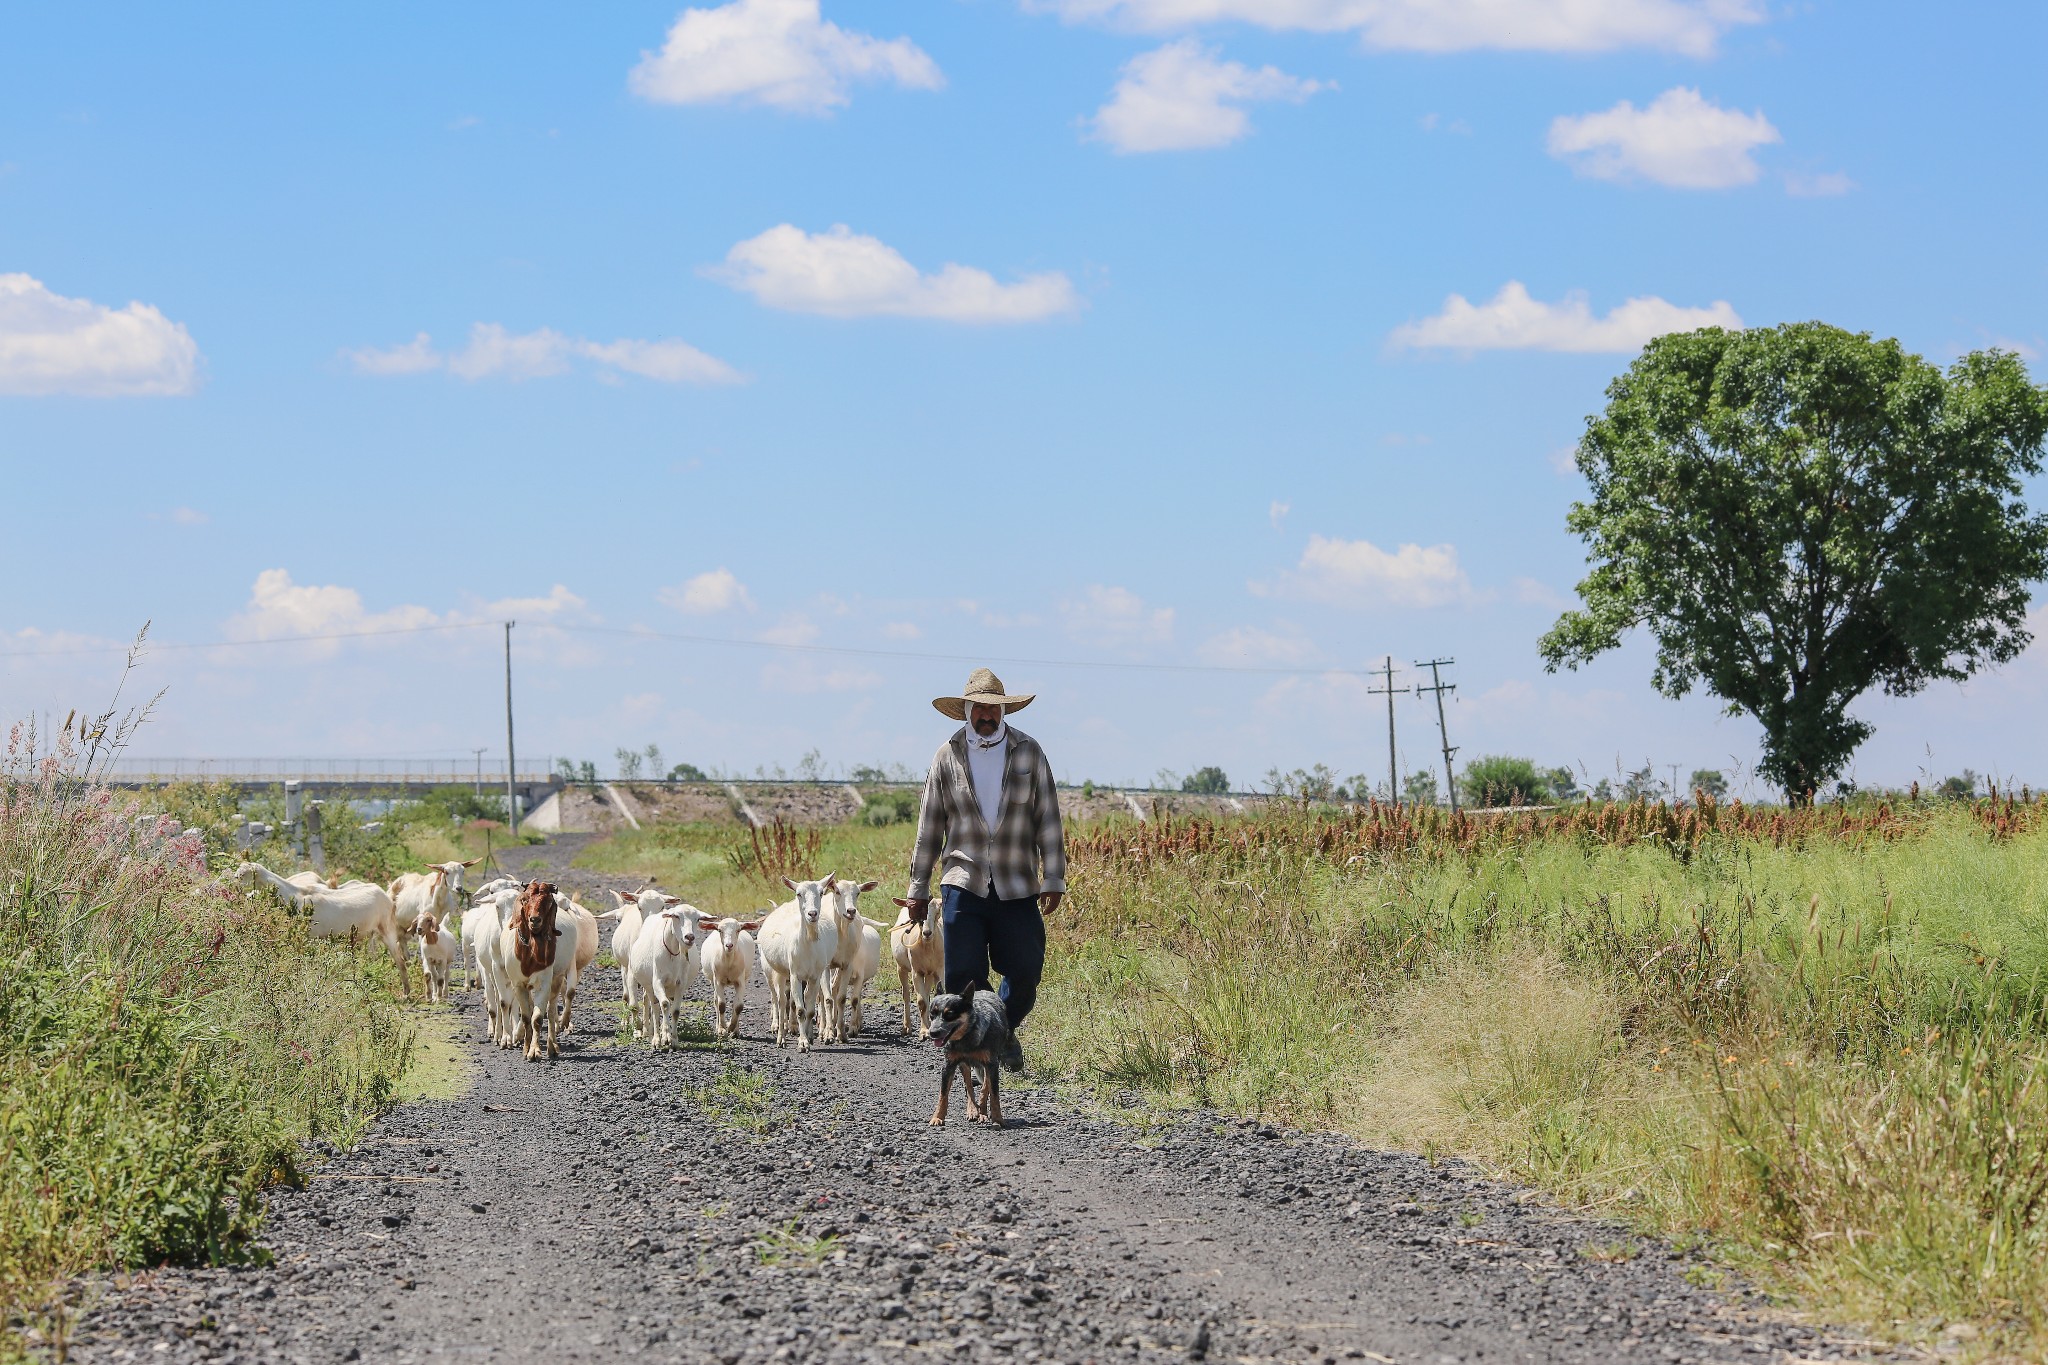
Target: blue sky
[(1106, 331)]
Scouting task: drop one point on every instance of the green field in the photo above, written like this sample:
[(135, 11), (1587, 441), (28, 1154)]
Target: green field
[(1813, 1042)]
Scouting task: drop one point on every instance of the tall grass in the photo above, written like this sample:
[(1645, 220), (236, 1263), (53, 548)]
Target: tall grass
[(1820, 1039), (168, 1045), (728, 871)]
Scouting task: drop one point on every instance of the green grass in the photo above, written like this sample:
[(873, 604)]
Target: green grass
[(742, 1099), (169, 1044), (1830, 1055), (788, 1246)]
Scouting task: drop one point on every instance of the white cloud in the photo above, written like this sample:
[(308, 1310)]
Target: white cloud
[(1116, 616), (1358, 573), (1180, 97), (1532, 592), (278, 606), (1249, 646), (1277, 512), (1825, 185), (842, 275), (559, 602), (50, 344), (793, 629), (901, 630), (708, 594), (780, 53), (496, 353), (1692, 27), (807, 677), (413, 357), (182, 516), (670, 362), (1680, 139), (1511, 320)]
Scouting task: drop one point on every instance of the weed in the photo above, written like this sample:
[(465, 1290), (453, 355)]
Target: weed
[(788, 1246), (170, 1041), (742, 1099), (1614, 1252)]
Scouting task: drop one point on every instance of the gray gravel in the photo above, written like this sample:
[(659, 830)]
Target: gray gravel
[(740, 1204)]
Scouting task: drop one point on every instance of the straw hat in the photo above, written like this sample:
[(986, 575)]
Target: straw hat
[(985, 688)]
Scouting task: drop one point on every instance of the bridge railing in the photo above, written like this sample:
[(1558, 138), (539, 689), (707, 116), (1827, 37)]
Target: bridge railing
[(397, 771)]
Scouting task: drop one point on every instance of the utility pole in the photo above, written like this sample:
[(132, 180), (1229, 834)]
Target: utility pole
[(1674, 782), (479, 752), (1439, 686), (511, 763), (1393, 764)]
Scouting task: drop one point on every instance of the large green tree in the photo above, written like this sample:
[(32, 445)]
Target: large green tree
[(1798, 514)]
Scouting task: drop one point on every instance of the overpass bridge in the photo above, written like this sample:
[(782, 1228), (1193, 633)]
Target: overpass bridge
[(330, 778)]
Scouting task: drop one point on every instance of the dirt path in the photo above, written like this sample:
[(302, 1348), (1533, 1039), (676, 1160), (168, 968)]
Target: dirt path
[(738, 1203)]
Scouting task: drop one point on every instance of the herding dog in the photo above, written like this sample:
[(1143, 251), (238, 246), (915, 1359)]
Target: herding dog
[(972, 1027)]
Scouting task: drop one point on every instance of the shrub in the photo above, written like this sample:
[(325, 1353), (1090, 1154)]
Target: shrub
[(170, 1042), (1501, 780)]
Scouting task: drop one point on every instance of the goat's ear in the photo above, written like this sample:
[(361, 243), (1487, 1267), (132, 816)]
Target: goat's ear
[(750, 928), (869, 886), (788, 883), (472, 862), (831, 878)]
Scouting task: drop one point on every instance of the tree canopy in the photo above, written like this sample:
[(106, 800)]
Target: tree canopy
[(1798, 514)]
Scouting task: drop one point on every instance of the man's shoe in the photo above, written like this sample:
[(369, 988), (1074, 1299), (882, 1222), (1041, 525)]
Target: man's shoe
[(1011, 1057)]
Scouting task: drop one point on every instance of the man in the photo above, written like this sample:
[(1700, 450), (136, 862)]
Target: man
[(990, 820)]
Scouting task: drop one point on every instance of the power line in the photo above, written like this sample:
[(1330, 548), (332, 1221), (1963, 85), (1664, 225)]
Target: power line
[(714, 640), (148, 645), (961, 658)]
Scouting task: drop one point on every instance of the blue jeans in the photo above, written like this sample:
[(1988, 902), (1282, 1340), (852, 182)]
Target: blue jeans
[(1008, 936)]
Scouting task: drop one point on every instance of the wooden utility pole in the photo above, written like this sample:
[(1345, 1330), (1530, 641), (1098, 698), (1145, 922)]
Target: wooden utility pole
[(1393, 763), (1439, 686), (511, 762)]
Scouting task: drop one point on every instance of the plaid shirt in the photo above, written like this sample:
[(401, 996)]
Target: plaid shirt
[(1026, 855)]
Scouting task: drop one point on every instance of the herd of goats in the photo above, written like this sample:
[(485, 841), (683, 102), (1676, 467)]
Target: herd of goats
[(529, 944)]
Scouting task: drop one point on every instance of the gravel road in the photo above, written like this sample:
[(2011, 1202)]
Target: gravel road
[(739, 1204)]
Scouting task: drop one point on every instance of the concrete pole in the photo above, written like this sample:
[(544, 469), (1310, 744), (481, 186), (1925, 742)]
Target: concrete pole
[(511, 762)]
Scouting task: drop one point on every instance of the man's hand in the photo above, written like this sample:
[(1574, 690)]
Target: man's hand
[(918, 906), (1049, 901)]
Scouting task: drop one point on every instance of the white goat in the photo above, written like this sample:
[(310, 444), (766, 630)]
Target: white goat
[(357, 910), (628, 916), (437, 950), (843, 901), (919, 946), (664, 963), (727, 962), (437, 890), (855, 979), (481, 926), (586, 953), (798, 940)]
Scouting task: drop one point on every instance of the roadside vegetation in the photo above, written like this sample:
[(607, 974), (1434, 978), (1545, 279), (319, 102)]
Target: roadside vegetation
[(170, 1043), (1813, 1040)]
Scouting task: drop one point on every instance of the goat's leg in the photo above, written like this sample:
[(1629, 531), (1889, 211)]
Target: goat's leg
[(389, 933), (903, 984), (804, 991)]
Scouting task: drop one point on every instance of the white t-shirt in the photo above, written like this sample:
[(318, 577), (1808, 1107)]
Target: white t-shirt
[(986, 766)]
